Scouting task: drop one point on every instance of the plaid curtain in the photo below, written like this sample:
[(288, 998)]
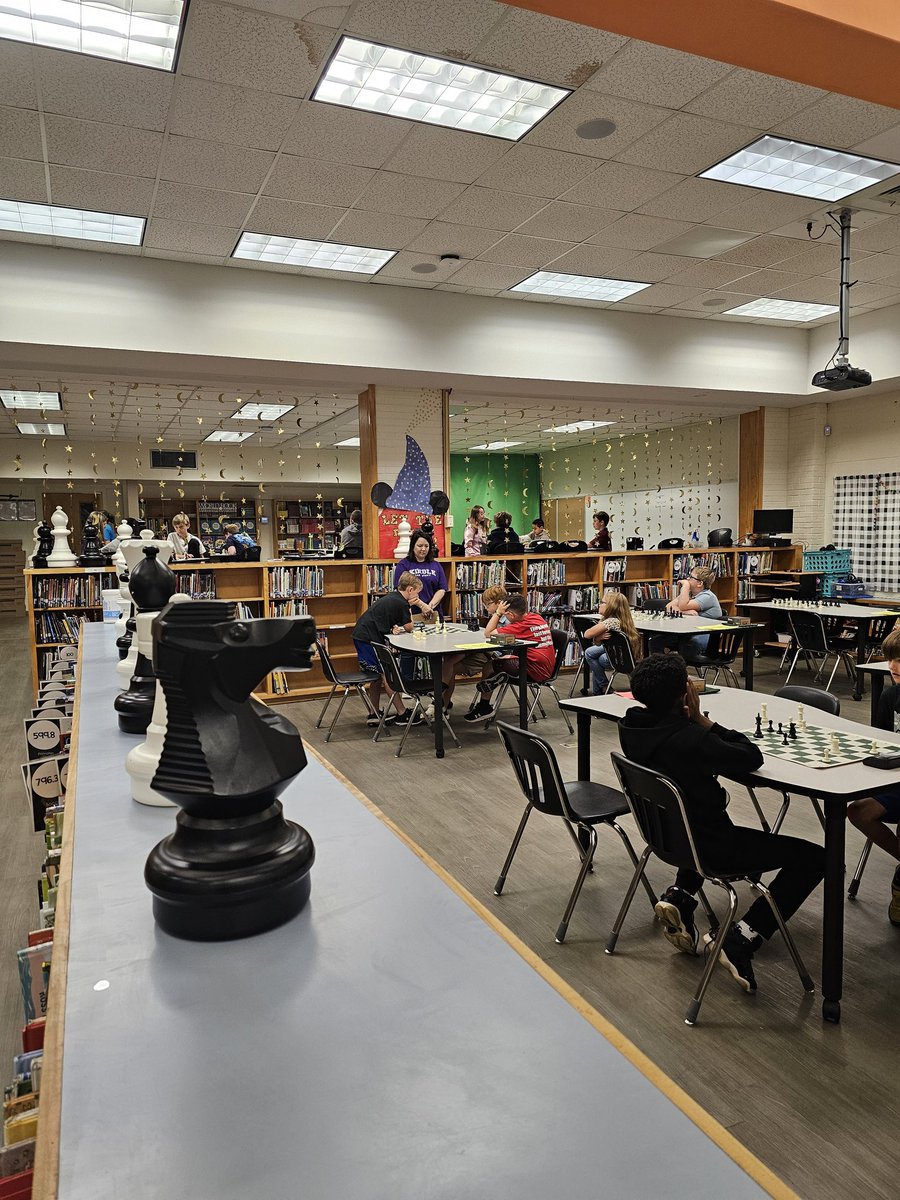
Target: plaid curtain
[(867, 522)]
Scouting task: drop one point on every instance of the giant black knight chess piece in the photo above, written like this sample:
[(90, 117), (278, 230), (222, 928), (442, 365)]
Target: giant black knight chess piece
[(152, 585), (234, 866)]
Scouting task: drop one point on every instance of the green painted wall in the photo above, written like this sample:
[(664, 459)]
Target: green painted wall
[(513, 485)]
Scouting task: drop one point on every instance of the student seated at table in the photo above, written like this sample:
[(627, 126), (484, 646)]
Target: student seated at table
[(872, 815), (695, 598), (615, 615), (601, 540), (420, 562), (471, 662), (540, 659), (502, 537), (671, 735), (388, 614), (538, 533)]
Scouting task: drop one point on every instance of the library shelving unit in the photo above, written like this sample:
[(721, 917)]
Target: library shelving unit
[(310, 524), (336, 591)]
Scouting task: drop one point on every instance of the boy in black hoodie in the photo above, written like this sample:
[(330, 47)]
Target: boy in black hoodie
[(670, 735)]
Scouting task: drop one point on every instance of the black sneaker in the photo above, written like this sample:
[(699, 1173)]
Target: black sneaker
[(403, 718), (483, 711), (373, 720), (736, 956), (894, 907), (675, 910)]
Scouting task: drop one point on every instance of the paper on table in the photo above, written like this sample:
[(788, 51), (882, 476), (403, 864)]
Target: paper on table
[(474, 646), (707, 628)]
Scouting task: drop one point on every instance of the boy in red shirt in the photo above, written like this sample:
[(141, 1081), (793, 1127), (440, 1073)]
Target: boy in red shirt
[(512, 617)]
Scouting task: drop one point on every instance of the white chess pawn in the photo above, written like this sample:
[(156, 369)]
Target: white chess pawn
[(826, 754), (835, 745), (61, 555), (873, 749), (123, 533)]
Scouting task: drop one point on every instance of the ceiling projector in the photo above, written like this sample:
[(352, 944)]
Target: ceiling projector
[(841, 377)]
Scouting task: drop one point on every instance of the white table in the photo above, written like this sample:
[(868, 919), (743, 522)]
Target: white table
[(880, 674), (835, 787)]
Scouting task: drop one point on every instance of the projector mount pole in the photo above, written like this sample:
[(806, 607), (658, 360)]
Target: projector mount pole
[(841, 358)]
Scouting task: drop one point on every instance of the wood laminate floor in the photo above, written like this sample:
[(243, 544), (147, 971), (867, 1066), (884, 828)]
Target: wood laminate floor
[(815, 1102)]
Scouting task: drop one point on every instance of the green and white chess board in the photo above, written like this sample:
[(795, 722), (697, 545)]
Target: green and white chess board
[(812, 742)]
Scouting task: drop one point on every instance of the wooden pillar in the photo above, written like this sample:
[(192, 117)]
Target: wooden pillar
[(750, 477), (368, 470)]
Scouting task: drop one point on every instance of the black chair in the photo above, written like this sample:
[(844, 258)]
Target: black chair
[(415, 689), (457, 549), (620, 655), (581, 805), (580, 623), (653, 605), (658, 806), (350, 681), (878, 630), (811, 640), (721, 654), (560, 646), (719, 537)]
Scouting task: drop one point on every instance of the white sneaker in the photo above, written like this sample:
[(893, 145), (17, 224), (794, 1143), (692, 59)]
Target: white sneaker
[(429, 711)]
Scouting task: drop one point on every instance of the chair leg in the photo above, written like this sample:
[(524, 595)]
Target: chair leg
[(626, 903), (817, 809), (759, 812), (805, 978), (504, 870), (586, 861), (858, 873), (837, 663), (634, 860), (693, 1010), (711, 916), (362, 692), (450, 729), (782, 812), (381, 729), (338, 711), (416, 708), (565, 715), (325, 709), (791, 669)]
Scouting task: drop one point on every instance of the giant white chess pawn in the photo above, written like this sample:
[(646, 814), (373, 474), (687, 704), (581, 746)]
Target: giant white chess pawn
[(123, 533), (404, 529), (61, 555), (134, 551)]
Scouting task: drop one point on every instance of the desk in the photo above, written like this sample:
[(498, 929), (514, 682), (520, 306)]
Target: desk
[(436, 646), (833, 786), (880, 674), (862, 615), (386, 1043)]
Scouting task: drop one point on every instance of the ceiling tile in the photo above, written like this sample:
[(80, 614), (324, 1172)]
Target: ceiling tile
[(872, 268), (537, 171), (433, 26), (706, 303), (197, 239), (547, 49), (332, 15), (763, 283), (687, 143), (664, 295), (559, 129), (708, 274), (703, 241), (759, 211), (751, 98), (440, 237), (838, 121), (179, 256), (600, 261), (17, 75), (815, 258), (883, 236), (415, 281), (97, 89), (178, 202), (657, 75), (872, 293), (518, 251), (573, 222), (342, 135), (402, 266), (101, 193), (406, 195), (653, 267), (212, 164), (85, 244), (760, 252), (883, 145), (621, 186), (797, 229), (692, 200), (433, 153), (316, 182), (634, 232), (288, 219), (234, 115), (490, 275), (811, 291), (20, 133), (23, 179), (387, 231), (96, 147), (275, 54), (490, 209)]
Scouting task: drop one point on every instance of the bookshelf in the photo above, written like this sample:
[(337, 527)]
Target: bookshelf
[(310, 524)]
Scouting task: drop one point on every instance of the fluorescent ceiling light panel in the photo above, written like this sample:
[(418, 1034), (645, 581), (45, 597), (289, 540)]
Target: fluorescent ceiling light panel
[(324, 256), (142, 32), (579, 287), (779, 165), (420, 87), (496, 445), (227, 435), (782, 310), (42, 429), (261, 412), (354, 441), (577, 426), (53, 221), (43, 401)]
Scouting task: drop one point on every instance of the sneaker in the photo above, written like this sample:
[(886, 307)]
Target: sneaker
[(483, 711), (736, 956), (403, 718), (675, 910), (373, 720), (894, 908)]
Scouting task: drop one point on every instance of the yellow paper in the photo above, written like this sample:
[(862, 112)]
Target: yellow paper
[(707, 628), (474, 646)]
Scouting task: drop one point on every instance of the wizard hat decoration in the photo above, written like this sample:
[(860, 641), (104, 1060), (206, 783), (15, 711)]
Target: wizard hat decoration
[(412, 491)]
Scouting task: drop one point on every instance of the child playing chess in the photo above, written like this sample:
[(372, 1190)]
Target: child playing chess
[(872, 815), (670, 735), (519, 623)]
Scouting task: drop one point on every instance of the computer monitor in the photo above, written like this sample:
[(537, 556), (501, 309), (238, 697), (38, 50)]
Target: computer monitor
[(773, 520)]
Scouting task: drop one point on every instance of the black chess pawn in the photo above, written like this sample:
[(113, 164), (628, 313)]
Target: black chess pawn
[(784, 737), (771, 726), (792, 732), (90, 555), (779, 726), (152, 586), (44, 547)]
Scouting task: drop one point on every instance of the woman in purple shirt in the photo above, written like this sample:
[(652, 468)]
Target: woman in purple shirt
[(420, 562)]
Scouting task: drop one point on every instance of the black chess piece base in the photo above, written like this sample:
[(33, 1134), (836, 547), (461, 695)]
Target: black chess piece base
[(220, 878), (135, 706)]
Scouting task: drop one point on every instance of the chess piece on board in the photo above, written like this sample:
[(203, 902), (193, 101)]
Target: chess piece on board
[(152, 585), (234, 866), (61, 555), (90, 555), (43, 545)]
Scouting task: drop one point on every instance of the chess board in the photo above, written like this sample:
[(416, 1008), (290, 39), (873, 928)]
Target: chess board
[(809, 747)]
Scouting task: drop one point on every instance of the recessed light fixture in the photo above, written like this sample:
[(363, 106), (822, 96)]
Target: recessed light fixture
[(53, 221), (496, 445), (592, 131), (437, 91), (43, 401), (717, 302), (577, 426), (779, 165), (354, 441), (324, 256), (144, 35), (424, 268), (42, 429), (226, 435), (782, 310), (579, 287), (261, 412)]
